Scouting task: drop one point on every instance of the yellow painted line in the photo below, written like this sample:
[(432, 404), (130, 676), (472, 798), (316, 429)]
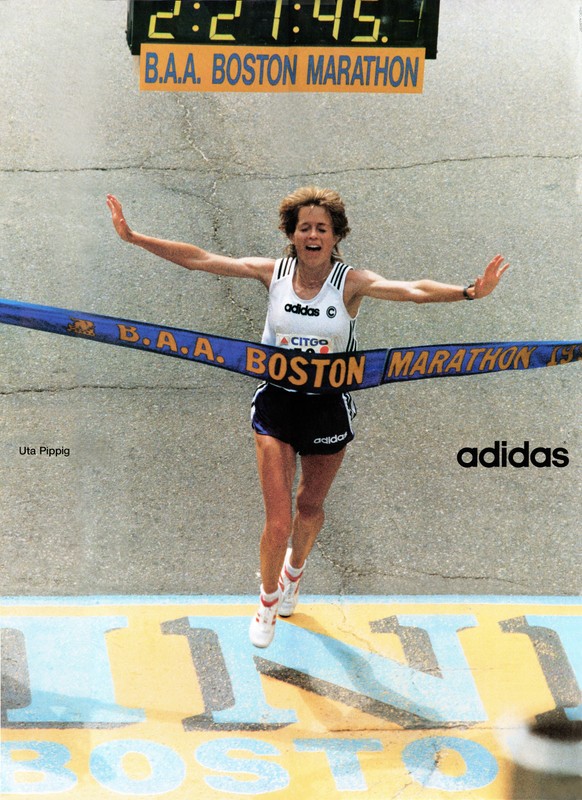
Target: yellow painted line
[(386, 697)]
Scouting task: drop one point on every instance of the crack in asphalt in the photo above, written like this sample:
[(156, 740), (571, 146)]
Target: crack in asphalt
[(244, 310), (190, 134), (280, 176), (109, 387), (351, 630), (348, 571)]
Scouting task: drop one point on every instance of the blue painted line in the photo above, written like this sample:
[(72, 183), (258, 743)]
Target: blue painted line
[(157, 600)]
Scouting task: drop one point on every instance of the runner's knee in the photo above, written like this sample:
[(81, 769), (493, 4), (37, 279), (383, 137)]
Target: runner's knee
[(308, 507), (278, 529)]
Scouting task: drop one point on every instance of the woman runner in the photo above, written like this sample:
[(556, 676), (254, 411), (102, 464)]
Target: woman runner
[(314, 299)]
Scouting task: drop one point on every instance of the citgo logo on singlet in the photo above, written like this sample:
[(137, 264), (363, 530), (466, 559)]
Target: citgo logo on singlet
[(306, 344)]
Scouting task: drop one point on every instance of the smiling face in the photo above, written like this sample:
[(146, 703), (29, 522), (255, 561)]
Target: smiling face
[(314, 237)]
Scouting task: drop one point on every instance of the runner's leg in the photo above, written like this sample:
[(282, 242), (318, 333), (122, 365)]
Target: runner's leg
[(276, 462), (317, 475)]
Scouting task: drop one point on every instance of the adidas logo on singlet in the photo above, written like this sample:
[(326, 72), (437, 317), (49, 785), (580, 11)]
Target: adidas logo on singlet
[(305, 311)]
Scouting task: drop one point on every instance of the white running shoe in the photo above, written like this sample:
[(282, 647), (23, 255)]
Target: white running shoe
[(262, 627), (289, 587)]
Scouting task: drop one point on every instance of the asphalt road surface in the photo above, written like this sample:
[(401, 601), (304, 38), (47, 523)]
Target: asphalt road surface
[(158, 494)]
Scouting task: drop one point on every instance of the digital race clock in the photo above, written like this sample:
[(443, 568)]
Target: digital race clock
[(285, 23)]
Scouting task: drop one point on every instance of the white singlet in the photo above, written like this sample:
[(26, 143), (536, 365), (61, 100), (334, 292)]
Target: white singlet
[(320, 325)]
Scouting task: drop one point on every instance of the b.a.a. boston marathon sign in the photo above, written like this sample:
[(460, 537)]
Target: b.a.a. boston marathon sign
[(183, 68), (296, 369), (271, 46)]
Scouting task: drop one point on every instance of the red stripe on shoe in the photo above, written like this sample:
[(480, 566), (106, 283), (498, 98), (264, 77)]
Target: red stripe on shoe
[(271, 604), (290, 577)]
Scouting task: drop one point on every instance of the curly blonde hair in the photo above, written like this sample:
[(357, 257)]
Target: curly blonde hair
[(313, 196)]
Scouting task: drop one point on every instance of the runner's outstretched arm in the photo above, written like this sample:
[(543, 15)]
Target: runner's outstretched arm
[(369, 284), (188, 255)]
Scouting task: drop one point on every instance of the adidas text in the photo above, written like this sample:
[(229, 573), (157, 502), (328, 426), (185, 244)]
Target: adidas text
[(330, 439), (305, 311), (500, 456)]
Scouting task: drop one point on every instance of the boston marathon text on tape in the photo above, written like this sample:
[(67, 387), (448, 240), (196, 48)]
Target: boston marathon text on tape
[(191, 68), (334, 372), (357, 694), (341, 371), (418, 362), (302, 370)]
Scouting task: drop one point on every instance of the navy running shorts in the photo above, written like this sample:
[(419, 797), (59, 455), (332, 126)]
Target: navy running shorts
[(313, 424)]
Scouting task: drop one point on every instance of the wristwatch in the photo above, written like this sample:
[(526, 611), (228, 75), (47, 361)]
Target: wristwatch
[(466, 294)]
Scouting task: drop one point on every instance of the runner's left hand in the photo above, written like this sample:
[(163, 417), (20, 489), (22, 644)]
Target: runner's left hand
[(487, 282)]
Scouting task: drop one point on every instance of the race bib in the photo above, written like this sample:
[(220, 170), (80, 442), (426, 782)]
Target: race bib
[(306, 344)]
